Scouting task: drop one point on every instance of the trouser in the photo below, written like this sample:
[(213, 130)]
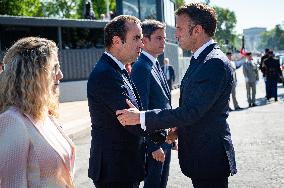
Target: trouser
[(158, 172), (271, 88), (235, 102), (99, 184), (251, 91), (210, 183)]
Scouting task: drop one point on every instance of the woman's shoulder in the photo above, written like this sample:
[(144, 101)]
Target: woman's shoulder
[(12, 117)]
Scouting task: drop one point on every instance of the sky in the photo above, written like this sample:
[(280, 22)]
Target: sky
[(253, 13)]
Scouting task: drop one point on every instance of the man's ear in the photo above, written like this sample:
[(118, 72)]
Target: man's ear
[(198, 29), (116, 41)]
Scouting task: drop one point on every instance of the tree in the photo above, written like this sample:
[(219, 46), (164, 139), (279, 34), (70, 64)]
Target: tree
[(179, 3), (273, 39), (225, 27), (100, 6), (61, 8), (21, 7)]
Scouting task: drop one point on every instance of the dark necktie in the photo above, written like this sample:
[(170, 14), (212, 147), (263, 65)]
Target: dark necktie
[(132, 93)]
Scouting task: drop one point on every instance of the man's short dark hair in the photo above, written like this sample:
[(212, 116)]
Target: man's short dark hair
[(229, 53), (150, 26), (118, 27), (270, 52), (200, 14), (266, 50)]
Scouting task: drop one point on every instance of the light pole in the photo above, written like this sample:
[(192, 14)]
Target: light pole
[(107, 9)]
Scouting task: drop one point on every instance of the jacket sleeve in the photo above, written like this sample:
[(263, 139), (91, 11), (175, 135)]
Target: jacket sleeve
[(213, 78), (245, 71), (109, 88), (14, 147)]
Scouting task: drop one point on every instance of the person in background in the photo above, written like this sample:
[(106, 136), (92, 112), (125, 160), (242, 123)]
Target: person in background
[(251, 78), (1, 67), (169, 72), (235, 65), (265, 56), (206, 153), (154, 92), (34, 151), (273, 73), (128, 67), (262, 69)]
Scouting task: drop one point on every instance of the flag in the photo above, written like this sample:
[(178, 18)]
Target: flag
[(243, 52)]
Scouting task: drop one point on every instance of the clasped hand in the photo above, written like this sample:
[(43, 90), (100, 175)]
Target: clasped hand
[(130, 116)]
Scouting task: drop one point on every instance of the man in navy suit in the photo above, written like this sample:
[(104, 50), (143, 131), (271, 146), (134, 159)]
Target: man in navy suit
[(206, 152), (117, 154), (155, 94)]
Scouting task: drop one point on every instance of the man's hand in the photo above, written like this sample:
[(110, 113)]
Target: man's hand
[(130, 116), (159, 155), (172, 135)]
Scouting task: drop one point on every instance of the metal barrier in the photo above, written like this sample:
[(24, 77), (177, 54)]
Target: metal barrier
[(77, 64)]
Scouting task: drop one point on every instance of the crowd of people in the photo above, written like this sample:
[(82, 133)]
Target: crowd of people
[(271, 73), (134, 127)]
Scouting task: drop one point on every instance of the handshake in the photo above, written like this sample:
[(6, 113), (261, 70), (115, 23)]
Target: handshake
[(161, 136)]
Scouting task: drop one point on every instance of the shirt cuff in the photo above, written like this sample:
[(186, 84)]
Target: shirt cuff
[(142, 120)]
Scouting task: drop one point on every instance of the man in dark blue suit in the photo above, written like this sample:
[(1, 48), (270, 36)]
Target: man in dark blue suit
[(155, 94), (117, 156), (206, 152)]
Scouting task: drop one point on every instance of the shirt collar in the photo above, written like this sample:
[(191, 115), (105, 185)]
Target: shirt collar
[(199, 50), (121, 65), (152, 58)]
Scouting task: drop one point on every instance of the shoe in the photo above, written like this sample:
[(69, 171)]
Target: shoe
[(230, 109), (250, 105), (276, 99), (253, 105), (238, 108)]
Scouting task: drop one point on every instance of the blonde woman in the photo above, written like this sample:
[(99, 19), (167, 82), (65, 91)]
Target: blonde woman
[(34, 152)]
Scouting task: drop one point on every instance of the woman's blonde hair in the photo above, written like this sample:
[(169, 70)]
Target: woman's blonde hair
[(27, 79)]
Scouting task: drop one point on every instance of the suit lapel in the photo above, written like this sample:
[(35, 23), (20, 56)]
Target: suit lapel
[(190, 73), (156, 75), (126, 80)]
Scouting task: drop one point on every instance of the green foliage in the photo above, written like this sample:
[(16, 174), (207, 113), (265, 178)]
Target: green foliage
[(21, 7), (225, 28), (99, 7), (61, 8), (179, 3), (273, 39)]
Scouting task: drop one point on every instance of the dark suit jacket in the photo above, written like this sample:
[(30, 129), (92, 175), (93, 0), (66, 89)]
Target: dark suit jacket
[(117, 153), (205, 146), (272, 69), (154, 92)]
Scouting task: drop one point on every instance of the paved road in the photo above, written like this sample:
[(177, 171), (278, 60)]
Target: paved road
[(258, 136)]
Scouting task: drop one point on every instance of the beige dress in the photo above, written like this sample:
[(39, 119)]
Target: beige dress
[(34, 154)]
